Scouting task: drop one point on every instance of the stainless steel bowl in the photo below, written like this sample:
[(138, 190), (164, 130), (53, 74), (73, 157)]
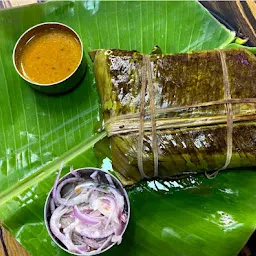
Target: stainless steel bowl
[(68, 82), (85, 173)]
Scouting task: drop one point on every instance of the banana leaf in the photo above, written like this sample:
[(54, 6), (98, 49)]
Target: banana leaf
[(192, 216), (236, 46), (194, 130)]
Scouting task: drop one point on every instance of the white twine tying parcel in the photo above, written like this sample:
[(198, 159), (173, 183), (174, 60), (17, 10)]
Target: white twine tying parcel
[(146, 80), (228, 106)]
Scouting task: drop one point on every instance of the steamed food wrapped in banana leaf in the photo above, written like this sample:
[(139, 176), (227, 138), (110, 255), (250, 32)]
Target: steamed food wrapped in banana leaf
[(169, 115)]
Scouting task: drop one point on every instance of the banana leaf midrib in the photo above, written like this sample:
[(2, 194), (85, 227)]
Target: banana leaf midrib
[(48, 169)]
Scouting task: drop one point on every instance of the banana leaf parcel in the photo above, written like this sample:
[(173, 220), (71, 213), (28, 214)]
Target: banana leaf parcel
[(177, 114)]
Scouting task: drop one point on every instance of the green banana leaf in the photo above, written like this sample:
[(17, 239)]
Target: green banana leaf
[(236, 46), (192, 216)]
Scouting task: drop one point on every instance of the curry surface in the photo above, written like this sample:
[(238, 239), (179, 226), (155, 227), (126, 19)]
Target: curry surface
[(50, 56)]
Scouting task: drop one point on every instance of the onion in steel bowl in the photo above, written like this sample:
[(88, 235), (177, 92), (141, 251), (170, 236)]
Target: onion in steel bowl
[(87, 211)]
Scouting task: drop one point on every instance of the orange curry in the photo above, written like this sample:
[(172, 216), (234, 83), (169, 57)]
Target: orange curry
[(50, 56)]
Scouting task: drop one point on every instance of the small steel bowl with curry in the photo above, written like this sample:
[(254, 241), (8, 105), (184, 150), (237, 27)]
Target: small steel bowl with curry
[(50, 57)]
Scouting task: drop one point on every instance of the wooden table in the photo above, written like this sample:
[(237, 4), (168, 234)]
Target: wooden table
[(241, 15)]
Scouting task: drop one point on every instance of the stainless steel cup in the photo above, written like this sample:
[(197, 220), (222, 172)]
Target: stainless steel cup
[(68, 82), (85, 173)]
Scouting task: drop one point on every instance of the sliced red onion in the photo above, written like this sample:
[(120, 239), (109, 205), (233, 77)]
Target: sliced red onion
[(66, 220), (94, 233), (63, 201), (68, 215), (84, 186), (84, 209), (111, 213), (116, 239), (100, 203), (110, 181), (119, 200), (54, 226), (52, 205), (57, 180), (106, 190), (119, 229), (94, 176), (96, 192), (93, 243), (77, 239), (105, 244), (69, 229), (76, 200), (95, 213), (102, 246), (75, 173), (86, 218), (84, 248), (118, 196), (124, 217), (94, 227)]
